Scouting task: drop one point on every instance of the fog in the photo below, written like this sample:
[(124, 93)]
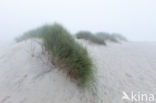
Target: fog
[(135, 19)]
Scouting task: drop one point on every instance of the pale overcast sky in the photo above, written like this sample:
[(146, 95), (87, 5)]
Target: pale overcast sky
[(136, 19)]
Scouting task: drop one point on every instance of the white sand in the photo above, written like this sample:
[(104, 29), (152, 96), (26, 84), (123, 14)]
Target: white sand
[(120, 67)]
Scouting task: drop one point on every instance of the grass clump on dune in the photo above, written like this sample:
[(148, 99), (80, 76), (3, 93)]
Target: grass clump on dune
[(103, 35), (111, 37), (66, 53), (107, 37), (89, 36)]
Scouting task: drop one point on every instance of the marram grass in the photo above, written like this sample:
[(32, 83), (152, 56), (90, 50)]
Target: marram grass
[(66, 52), (115, 37), (90, 37)]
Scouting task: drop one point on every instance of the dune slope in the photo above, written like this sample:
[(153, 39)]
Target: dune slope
[(26, 75)]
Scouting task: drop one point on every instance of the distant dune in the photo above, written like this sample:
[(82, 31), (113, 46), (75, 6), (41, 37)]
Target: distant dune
[(26, 75)]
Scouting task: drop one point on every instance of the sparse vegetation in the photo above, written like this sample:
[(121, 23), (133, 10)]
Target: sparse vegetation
[(100, 37), (89, 36), (111, 37), (103, 35), (65, 52)]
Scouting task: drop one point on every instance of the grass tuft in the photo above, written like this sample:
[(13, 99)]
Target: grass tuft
[(89, 36), (65, 52), (111, 37)]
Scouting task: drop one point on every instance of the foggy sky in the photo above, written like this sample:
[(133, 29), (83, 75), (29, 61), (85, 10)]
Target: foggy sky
[(136, 19)]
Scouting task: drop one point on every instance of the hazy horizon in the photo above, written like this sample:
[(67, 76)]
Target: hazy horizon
[(135, 19)]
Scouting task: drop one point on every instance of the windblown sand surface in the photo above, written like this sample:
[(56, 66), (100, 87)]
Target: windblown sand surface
[(26, 75)]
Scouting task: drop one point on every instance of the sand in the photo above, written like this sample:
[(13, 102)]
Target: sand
[(27, 76)]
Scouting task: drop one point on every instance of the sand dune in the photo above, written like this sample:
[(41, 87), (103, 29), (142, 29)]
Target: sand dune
[(26, 75)]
